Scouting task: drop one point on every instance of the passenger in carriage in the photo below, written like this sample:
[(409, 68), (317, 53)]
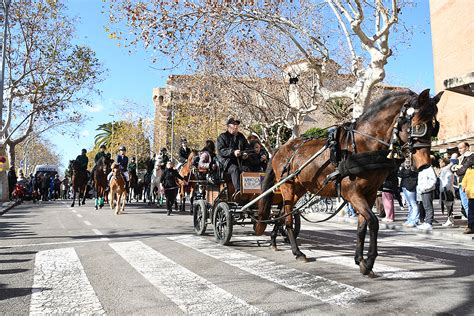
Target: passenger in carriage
[(207, 157), (230, 150), (257, 159)]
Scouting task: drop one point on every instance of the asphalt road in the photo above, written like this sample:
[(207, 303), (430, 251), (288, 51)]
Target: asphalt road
[(54, 259)]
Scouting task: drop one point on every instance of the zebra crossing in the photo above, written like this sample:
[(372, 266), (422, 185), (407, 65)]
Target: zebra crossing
[(61, 285)]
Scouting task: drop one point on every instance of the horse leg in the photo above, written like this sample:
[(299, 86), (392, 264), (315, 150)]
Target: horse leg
[(73, 197), (84, 196), (111, 199), (288, 198), (273, 236)]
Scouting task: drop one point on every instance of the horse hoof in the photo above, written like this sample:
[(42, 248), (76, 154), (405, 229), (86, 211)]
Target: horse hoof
[(96, 208), (363, 268), (274, 248), (302, 258), (372, 275)]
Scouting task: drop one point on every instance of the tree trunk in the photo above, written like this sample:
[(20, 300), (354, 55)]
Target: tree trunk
[(11, 153), (3, 177)]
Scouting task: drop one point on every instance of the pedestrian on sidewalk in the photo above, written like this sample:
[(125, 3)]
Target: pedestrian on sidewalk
[(408, 184), (468, 188), (169, 183), (389, 187), (425, 187), (465, 160), (446, 189), (12, 178)]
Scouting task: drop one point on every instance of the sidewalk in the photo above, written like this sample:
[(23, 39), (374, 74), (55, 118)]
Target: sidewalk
[(6, 206), (455, 232)]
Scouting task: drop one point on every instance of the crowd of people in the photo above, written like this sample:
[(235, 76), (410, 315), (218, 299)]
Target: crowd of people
[(448, 179), (43, 186)]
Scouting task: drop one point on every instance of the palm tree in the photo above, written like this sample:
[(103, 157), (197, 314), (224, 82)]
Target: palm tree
[(105, 137)]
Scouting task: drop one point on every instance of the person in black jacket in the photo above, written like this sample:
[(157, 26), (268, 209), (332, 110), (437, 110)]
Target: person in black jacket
[(230, 150), (169, 183), (184, 152), (390, 186), (408, 184), (257, 160)]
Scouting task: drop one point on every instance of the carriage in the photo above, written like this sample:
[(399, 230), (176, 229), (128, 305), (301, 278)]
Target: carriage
[(215, 206)]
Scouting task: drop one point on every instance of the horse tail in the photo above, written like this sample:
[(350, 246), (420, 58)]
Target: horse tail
[(265, 203)]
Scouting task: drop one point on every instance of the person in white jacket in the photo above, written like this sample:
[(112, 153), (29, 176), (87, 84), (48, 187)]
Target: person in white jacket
[(446, 189), (425, 187)]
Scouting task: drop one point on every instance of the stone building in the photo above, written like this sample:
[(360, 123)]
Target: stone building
[(452, 31)]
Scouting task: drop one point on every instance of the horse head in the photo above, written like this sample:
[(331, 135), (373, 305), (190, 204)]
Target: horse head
[(416, 126), (73, 165)]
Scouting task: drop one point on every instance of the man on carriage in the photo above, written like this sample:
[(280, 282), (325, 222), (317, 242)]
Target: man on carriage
[(230, 149)]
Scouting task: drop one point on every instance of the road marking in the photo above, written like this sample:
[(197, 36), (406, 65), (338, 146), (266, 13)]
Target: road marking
[(323, 289), (79, 215), (60, 285), (333, 257), (192, 293), (55, 243), (74, 211), (97, 232), (87, 223)]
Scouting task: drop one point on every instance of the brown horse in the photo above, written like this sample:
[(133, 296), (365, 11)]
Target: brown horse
[(188, 185), (101, 170), (133, 191), (394, 122), (79, 182), (117, 189)]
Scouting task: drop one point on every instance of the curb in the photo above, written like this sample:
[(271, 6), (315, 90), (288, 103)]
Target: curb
[(8, 207), (398, 227)]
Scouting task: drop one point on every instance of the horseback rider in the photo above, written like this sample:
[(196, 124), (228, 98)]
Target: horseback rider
[(100, 154), (163, 157), (230, 149), (83, 161), (132, 166), (184, 152), (122, 160)]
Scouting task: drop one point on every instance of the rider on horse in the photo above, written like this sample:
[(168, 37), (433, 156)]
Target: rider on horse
[(83, 161), (184, 153), (163, 157), (100, 154), (132, 166), (122, 160)]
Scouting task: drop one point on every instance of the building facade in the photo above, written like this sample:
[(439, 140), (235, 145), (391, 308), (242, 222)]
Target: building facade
[(452, 28)]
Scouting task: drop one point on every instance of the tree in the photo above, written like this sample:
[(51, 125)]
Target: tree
[(316, 30), (36, 151), (48, 77)]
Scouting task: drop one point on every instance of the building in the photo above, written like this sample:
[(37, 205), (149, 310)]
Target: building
[(452, 31)]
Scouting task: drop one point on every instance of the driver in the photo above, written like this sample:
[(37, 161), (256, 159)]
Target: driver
[(230, 147)]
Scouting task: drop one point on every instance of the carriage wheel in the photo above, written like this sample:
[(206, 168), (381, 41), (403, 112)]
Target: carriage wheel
[(200, 217), (223, 223), (296, 227)]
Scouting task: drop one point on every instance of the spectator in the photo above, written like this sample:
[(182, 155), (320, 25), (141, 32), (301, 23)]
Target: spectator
[(425, 187), (169, 184), (408, 184), (56, 187), (45, 187), (12, 178), (390, 186), (465, 160), (446, 189), (468, 187)]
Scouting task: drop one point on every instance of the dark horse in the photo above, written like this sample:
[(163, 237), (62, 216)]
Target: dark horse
[(395, 119), (133, 191), (101, 170), (79, 182)]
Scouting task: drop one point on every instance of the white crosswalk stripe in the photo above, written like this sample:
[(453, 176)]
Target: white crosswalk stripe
[(169, 277), (332, 257), (60, 285), (323, 289)]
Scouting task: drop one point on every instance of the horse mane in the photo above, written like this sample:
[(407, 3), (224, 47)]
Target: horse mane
[(384, 102)]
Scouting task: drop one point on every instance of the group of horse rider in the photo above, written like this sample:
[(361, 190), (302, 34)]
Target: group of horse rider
[(233, 154)]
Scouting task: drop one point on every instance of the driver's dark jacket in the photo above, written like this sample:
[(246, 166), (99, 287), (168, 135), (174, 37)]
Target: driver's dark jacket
[(226, 145), (168, 178)]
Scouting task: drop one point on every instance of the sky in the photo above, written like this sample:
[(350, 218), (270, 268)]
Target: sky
[(131, 76)]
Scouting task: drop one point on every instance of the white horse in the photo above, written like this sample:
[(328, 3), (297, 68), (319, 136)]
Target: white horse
[(155, 183)]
